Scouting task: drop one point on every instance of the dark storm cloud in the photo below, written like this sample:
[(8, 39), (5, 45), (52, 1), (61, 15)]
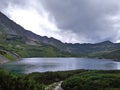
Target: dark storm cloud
[(5, 3), (86, 18)]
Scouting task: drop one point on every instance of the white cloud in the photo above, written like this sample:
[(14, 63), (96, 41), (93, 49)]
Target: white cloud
[(39, 22), (80, 21)]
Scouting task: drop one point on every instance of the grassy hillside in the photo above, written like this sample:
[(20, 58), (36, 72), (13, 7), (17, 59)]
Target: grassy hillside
[(108, 54), (15, 40), (113, 55), (17, 45), (72, 80)]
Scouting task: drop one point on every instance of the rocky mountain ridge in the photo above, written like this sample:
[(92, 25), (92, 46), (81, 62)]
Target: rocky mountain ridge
[(13, 35)]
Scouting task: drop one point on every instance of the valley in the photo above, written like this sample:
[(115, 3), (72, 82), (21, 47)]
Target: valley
[(17, 43)]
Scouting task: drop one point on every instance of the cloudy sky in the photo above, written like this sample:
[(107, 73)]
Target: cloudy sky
[(74, 21)]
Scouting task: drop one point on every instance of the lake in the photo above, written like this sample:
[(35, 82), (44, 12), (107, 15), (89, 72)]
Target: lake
[(29, 65)]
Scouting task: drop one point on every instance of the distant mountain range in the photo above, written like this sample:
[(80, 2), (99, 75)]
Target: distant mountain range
[(24, 43)]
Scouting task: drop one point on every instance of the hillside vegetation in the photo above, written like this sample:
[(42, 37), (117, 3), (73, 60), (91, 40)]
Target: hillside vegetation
[(72, 80), (93, 80), (22, 49)]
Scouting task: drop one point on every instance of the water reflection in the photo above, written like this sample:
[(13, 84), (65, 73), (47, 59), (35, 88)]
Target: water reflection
[(118, 65), (28, 65)]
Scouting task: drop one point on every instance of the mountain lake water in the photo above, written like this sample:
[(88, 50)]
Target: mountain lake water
[(29, 65)]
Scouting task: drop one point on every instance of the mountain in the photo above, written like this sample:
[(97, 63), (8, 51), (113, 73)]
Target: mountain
[(115, 55), (15, 42), (19, 42), (89, 48)]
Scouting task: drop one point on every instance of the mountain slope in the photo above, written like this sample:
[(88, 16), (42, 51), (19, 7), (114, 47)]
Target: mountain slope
[(25, 43), (17, 40), (115, 55)]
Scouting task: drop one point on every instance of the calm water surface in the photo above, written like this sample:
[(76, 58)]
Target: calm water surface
[(28, 65)]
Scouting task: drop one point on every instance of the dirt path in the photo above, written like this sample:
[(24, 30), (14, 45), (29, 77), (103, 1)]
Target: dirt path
[(58, 87)]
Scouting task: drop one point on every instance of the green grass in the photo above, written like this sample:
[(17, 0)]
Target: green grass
[(72, 80), (12, 81), (93, 80), (10, 57), (24, 50), (33, 81)]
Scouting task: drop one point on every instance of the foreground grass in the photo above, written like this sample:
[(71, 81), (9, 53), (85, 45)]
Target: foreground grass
[(93, 80), (72, 80), (33, 81)]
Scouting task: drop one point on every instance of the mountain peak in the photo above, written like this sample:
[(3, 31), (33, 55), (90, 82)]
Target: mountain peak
[(106, 42)]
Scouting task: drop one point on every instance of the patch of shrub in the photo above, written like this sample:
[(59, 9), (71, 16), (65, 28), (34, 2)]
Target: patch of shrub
[(93, 81)]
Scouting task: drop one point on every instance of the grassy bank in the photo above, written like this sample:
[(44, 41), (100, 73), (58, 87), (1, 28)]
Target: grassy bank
[(33, 81), (72, 80)]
